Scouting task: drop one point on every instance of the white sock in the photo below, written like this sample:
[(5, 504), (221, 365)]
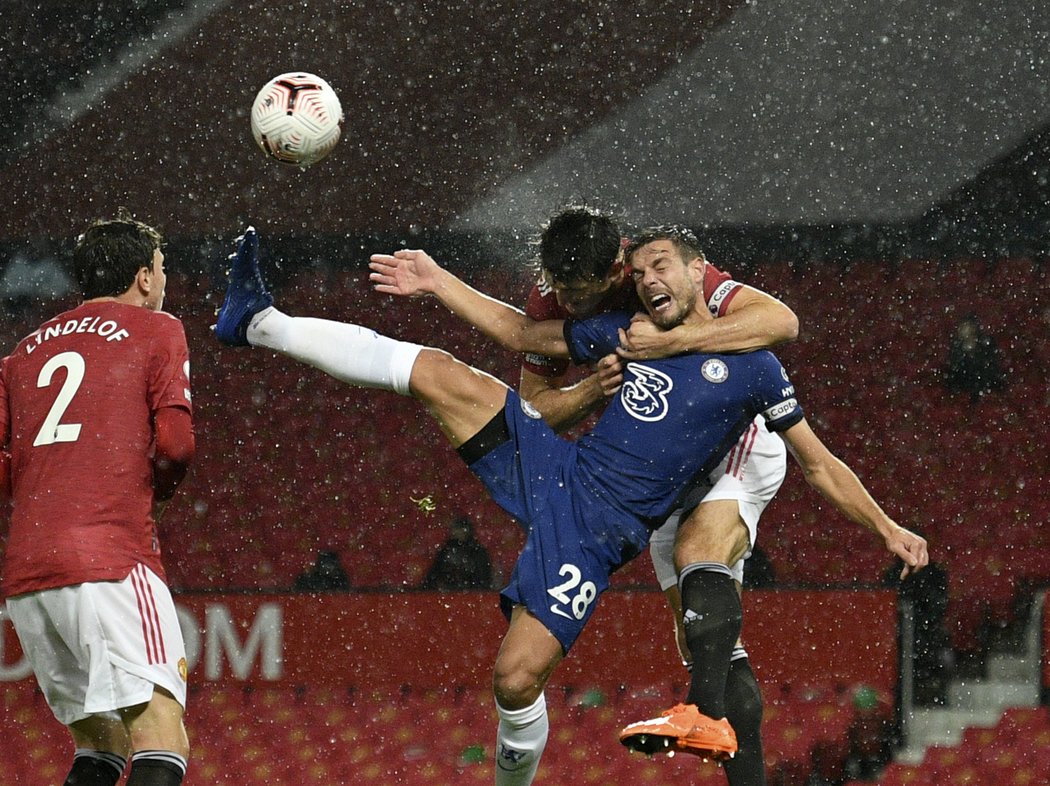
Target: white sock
[(349, 353), (520, 740)]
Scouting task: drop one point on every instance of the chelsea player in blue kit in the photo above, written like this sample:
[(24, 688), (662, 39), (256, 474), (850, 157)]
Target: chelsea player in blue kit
[(587, 506)]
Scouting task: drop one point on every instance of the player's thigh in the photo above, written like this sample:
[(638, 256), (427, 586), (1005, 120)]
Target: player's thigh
[(713, 532), (526, 659), (157, 724), (461, 398), (101, 733)]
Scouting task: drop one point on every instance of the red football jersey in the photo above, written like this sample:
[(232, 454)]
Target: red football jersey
[(77, 401), (542, 304)]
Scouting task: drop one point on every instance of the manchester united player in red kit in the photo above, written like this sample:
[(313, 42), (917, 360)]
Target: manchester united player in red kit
[(96, 434)]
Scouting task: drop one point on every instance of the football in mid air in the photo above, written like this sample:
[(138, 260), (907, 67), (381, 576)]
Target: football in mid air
[(297, 119)]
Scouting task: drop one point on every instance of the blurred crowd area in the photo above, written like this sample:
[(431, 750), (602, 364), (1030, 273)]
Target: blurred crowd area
[(291, 463)]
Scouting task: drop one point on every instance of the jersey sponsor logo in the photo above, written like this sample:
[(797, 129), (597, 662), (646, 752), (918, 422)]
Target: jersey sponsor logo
[(714, 370), (714, 303), (644, 396), (787, 392), (780, 410), (784, 374)]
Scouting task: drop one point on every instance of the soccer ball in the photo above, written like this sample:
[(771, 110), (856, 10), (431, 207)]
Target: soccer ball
[(297, 119)]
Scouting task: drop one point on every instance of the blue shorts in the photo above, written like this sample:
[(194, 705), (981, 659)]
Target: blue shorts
[(575, 539)]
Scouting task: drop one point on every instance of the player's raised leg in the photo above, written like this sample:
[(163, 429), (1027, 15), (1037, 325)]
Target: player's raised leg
[(461, 398)]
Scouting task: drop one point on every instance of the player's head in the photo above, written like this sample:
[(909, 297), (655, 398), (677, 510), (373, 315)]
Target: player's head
[(682, 237), (109, 257), (580, 257), (667, 266)]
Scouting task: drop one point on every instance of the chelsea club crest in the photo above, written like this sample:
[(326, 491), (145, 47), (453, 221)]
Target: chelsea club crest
[(715, 370)]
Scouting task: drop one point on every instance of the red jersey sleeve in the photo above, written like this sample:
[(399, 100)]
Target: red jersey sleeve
[(169, 372), (175, 446), (541, 306), (169, 391)]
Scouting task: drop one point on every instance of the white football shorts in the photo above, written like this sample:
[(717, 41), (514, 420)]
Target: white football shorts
[(750, 473), (101, 646)]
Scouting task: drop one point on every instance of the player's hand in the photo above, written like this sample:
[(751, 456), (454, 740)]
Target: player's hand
[(909, 547), (608, 373), (406, 272), (643, 340)]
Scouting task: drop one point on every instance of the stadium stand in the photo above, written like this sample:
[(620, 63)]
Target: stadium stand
[(1015, 752), (316, 736)]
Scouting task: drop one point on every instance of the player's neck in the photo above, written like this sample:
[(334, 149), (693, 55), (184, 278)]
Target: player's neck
[(128, 299)]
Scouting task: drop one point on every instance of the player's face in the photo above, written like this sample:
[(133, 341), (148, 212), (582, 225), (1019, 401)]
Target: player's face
[(666, 284), (583, 297), (158, 280)]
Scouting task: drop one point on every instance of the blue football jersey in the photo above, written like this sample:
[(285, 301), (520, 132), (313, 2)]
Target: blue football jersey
[(674, 419)]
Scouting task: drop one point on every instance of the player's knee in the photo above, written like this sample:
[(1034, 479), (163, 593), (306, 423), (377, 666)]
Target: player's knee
[(515, 689), (712, 535)]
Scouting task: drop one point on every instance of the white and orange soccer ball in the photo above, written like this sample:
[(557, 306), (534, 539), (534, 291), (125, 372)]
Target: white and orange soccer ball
[(297, 119)]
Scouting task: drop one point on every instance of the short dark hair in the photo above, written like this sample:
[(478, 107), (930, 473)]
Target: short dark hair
[(579, 243), (684, 239), (111, 252)]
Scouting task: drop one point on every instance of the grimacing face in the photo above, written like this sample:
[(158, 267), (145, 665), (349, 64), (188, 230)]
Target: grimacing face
[(666, 283)]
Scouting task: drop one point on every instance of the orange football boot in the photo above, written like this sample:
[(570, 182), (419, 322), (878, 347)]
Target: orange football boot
[(682, 728)]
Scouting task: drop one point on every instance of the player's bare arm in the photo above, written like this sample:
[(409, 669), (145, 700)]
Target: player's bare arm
[(561, 405), (412, 272), (753, 320), (839, 485)]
